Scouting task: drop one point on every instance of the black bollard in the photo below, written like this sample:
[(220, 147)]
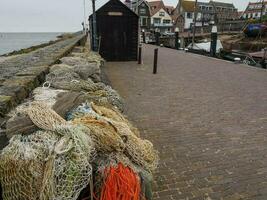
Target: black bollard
[(140, 55), (213, 43), (155, 61), (177, 45)]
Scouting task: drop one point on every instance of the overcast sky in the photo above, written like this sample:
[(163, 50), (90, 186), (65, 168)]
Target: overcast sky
[(56, 15)]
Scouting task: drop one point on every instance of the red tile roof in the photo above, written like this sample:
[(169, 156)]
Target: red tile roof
[(155, 6)]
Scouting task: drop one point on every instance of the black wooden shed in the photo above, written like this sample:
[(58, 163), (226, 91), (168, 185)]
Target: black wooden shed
[(117, 31)]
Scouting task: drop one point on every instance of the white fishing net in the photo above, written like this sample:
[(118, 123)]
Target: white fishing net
[(50, 164)]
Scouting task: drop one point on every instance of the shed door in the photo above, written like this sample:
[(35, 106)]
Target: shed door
[(116, 38)]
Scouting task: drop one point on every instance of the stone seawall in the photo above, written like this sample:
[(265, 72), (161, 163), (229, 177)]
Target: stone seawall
[(21, 74)]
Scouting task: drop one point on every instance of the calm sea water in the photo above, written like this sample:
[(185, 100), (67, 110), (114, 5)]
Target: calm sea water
[(16, 41)]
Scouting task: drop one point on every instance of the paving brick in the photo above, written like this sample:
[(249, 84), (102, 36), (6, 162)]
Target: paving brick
[(206, 117)]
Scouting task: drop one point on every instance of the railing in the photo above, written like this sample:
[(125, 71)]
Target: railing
[(169, 25)]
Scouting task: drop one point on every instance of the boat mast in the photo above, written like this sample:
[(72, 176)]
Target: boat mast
[(262, 7), (194, 27)]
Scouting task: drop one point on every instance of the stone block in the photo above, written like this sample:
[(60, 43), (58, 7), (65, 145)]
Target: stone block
[(6, 103), (39, 72)]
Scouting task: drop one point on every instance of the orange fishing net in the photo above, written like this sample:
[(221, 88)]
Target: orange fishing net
[(121, 183)]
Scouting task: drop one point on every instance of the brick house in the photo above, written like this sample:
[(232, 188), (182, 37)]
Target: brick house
[(254, 9), (160, 16)]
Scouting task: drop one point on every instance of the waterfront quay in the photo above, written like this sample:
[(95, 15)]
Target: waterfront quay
[(207, 118)]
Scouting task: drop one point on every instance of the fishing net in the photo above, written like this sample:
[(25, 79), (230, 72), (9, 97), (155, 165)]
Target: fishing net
[(50, 164), (46, 95), (113, 97), (90, 56), (85, 71), (120, 183), (103, 134), (115, 115), (140, 151), (72, 61), (104, 161)]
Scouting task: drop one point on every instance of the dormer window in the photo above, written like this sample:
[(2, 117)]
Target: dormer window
[(162, 14)]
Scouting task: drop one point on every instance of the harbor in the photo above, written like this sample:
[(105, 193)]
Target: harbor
[(149, 101)]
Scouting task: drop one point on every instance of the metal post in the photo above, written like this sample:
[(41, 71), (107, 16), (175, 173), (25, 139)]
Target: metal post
[(262, 7), (195, 19), (144, 36), (140, 55), (177, 45), (94, 27), (213, 43), (155, 61), (157, 34), (263, 62)]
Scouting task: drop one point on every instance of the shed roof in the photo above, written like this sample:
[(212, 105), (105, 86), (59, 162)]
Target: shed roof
[(117, 2)]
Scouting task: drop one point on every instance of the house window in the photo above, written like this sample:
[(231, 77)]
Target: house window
[(166, 21), (162, 14), (189, 15), (142, 11), (157, 20), (143, 21)]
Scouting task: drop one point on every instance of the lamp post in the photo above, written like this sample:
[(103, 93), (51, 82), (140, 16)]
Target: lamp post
[(177, 45), (194, 23), (144, 36), (213, 43), (94, 28)]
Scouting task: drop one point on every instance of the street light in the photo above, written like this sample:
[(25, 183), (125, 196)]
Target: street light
[(144, 36)]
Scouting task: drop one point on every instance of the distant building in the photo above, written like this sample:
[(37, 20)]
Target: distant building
[(253, 10), (160, 17), (143, 11), (207, 13), (185, 10), (178, 22), (224, 11)]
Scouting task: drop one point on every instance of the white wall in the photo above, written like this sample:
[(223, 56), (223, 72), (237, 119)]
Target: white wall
[(157, 15), (188, 21)]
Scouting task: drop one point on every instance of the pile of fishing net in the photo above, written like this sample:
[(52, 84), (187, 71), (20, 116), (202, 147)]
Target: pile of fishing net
[(54, 162), (78, 74), (71, 141)]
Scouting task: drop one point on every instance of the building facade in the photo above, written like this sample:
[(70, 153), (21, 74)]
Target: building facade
[(208, 13), (143, 11), (255, 10), (160, 18), (224, 11)]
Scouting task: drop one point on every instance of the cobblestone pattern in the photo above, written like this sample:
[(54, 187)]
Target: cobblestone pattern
[(21, 74), (207, 118)]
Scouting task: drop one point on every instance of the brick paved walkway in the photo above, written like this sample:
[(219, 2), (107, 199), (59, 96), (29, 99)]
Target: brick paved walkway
[(207, 118)]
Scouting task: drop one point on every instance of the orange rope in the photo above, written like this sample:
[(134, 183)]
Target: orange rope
[(121, 184)]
